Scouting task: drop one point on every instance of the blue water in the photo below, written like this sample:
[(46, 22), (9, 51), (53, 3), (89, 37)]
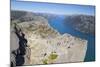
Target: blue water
[(58, 24)]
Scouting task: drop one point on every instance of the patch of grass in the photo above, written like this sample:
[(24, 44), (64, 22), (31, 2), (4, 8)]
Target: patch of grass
[(53, 56), (45, 61)]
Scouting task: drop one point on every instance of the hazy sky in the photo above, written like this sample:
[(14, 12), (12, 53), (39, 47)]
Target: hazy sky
[(52, 8)]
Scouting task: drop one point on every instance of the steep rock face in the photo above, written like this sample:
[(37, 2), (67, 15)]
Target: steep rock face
[(49, 46), (82, 23)]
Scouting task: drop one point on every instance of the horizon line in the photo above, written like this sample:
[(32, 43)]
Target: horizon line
[(48, 12)]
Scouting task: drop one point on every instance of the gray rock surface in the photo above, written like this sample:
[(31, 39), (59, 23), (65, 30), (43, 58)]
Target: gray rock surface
[(45, 44), (82, 23)]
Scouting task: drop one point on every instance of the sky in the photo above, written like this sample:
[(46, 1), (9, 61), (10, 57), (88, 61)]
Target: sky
[(65, 9)]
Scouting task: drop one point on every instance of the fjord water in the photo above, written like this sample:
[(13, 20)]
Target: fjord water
[(58, 24)]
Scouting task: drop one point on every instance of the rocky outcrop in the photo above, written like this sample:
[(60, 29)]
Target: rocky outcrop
[(46, 45), (82, 23), (49, 46)]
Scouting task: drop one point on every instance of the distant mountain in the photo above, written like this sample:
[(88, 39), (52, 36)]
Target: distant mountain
[(82, 23), (22, 15), (28, 16), (17, 14)]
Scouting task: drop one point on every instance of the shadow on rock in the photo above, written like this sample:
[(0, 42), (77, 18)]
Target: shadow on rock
[(21, 51)]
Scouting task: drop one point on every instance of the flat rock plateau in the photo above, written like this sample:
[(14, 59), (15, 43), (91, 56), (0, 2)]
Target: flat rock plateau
[(46, 45)]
